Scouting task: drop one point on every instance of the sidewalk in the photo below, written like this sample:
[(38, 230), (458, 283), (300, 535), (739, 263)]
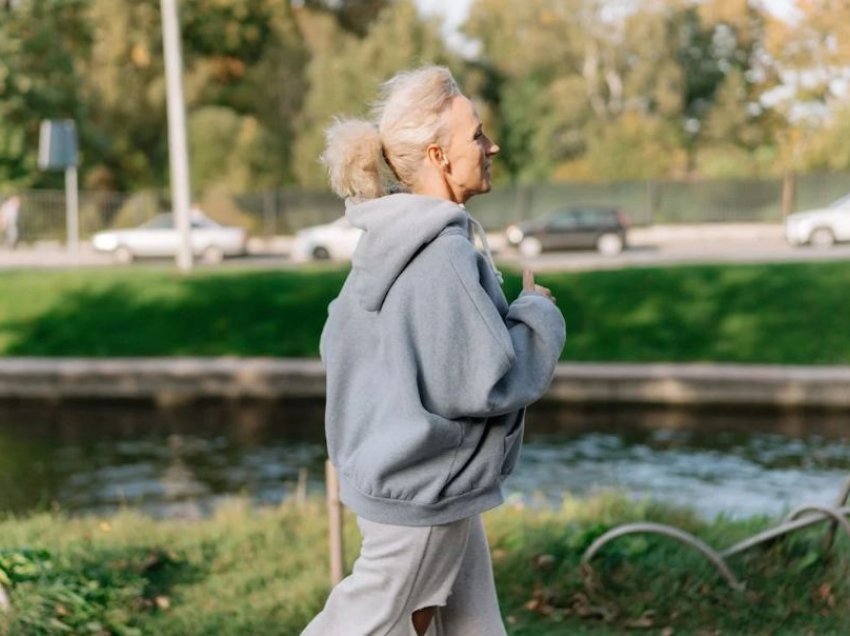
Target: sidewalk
[(52, 254)]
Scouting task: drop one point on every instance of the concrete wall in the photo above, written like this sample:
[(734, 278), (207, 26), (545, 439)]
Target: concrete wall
[(176, 380)]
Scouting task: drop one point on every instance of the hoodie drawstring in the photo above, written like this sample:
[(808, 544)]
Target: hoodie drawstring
[(478, 229)]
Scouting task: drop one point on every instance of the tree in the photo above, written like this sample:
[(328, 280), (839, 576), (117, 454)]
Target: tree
[(41, 45), (344, 72), (532, 54), (353, 16), (245, 55), (810, 58), (636, 146), (568, 70)]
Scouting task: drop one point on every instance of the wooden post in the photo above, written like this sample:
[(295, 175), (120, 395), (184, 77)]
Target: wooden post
[(334, 522), (5, 607), (4, 600), (301, 487)]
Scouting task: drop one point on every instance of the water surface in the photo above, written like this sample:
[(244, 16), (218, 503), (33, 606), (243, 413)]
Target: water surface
[(182, 462)]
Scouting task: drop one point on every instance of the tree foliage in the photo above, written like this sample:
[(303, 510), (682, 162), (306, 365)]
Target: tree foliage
[(589, 89)]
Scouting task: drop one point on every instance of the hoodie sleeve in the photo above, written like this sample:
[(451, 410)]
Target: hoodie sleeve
[(470, 361)]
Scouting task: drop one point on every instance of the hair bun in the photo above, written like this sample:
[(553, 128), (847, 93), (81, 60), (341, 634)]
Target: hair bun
[(353, 157)]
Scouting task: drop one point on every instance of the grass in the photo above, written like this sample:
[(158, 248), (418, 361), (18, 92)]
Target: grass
[(780, 314), (263, 571)]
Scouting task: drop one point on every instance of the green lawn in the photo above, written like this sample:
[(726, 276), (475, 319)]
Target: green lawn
[(248, 571), (790, 313)]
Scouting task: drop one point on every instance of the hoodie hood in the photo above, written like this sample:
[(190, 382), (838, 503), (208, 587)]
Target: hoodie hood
[(395, 227)]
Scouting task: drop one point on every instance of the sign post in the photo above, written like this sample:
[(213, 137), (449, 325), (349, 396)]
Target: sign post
[(57, 150)]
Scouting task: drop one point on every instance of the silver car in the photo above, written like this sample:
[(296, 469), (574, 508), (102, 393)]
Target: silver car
[(820, 228), (159, 238), (334, 241)]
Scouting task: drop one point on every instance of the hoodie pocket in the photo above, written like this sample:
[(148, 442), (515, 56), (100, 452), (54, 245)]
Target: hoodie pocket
[(408, 461), (513, 445)]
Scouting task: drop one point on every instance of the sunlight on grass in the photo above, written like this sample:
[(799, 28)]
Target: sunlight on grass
[(779, 314), (264, 571)]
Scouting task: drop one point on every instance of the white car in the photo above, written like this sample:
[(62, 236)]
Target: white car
[(335, 241), (820, 228), (159, 238)]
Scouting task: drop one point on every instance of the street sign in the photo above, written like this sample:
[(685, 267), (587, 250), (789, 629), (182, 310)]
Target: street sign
[(57, 145)]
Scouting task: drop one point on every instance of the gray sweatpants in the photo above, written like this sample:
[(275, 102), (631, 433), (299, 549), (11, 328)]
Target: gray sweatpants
[(401, 569)]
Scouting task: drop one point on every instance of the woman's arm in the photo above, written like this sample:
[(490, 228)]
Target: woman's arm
[(471, 362)]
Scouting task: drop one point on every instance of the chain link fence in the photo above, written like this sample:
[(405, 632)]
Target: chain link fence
[(665, 202), (281, 212)]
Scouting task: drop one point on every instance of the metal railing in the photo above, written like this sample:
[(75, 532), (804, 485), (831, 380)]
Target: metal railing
[(803, 517)]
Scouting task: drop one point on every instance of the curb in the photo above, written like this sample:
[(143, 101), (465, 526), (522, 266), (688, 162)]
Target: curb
[(167, 381)]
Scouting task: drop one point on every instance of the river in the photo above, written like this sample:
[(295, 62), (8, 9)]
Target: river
[(94, 458)]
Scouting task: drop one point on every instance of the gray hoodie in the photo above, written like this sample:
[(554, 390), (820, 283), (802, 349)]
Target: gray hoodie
[(429, 370)]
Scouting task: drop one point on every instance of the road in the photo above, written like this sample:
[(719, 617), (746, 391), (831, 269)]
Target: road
[(658, 245), (676, 245)]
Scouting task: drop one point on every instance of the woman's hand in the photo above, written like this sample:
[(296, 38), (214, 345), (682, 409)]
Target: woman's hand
[(528, 284)]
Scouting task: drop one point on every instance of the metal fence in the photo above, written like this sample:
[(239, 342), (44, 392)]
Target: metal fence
[(277, 212), (666, 202)]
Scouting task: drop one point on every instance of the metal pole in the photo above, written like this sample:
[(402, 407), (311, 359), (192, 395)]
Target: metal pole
[(177, 149), (334, 522), (72, 210)]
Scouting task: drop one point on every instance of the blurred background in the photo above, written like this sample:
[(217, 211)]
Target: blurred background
[(641, 131), (675, 110)]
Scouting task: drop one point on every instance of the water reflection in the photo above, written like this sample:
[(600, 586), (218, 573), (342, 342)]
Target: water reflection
[(734, 474), (95, 458)]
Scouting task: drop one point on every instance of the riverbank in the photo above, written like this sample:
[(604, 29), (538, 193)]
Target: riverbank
[(264, 571), (170, 381)]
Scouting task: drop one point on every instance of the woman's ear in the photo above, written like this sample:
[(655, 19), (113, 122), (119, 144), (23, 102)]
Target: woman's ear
[(436, 156)]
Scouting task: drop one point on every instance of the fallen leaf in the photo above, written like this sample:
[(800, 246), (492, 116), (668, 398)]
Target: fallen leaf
[(646, 620), (585, 609), (544, 561), (826, 595)]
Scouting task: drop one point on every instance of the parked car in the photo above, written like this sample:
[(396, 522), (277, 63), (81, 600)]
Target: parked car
[(335, 241), (601, 228), (159, 238), (820, 228)]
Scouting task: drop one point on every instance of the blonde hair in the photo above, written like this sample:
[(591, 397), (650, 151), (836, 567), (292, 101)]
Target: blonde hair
[(367, 159)]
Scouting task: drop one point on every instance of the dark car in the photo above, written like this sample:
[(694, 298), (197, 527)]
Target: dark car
[(578, 227)]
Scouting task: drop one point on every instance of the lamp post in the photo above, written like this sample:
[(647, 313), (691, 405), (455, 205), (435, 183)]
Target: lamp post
[(177, 148)]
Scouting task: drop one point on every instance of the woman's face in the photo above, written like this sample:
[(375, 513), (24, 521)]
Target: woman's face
[(468, 153)]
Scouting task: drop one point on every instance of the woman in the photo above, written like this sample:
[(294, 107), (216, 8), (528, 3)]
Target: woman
[(429, 369)]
